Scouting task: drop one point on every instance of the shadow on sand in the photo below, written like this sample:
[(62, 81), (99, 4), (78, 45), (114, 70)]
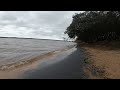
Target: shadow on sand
[(70, 67)]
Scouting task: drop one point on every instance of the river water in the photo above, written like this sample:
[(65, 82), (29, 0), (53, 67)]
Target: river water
[(13, 50)]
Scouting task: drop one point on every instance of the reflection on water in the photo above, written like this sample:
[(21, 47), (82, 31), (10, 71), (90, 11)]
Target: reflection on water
[(13, 50)]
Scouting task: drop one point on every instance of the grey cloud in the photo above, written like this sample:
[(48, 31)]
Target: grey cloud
[(35, 24)]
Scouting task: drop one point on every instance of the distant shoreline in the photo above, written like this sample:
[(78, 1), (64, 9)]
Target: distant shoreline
[(34, 39)]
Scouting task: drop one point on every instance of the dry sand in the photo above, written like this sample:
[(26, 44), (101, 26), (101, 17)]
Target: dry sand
[(103, 62)]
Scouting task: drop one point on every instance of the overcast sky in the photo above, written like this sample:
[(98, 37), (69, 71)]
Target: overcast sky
[(35, 24)]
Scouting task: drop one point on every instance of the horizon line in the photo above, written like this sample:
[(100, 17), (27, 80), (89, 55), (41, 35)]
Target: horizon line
[(33, 38)]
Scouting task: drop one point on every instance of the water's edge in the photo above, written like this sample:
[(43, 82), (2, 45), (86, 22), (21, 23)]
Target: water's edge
[(31, 60)]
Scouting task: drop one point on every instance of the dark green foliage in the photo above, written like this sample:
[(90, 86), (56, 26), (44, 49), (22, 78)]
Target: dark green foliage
[(94, 26)]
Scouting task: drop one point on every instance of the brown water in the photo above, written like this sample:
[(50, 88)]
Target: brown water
[(16, 51)]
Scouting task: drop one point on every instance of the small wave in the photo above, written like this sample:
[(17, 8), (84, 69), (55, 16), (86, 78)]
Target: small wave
[(23, 62)]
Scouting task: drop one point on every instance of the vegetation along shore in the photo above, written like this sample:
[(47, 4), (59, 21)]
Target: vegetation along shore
[(98, 33)]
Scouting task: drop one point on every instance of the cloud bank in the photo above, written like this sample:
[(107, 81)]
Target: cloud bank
[(35, 24)]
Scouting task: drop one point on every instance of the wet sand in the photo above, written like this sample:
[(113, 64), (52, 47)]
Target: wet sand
[(67, 65)]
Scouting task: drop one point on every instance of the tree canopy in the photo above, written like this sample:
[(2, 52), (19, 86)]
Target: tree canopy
[(94, 26)]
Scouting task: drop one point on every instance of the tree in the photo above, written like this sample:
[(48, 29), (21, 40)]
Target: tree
[(94, 26)]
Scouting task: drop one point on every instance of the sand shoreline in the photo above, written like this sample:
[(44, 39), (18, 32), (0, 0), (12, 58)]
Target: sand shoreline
[(31, 60), (83, 62), (68, 66), (14, 73)]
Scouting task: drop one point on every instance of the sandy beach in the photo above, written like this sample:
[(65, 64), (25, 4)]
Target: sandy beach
[(68, 62), (64, 64), (103, 61), (67, 65)]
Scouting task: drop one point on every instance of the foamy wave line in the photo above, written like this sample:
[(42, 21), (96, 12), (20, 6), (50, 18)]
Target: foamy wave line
[(18, 64)]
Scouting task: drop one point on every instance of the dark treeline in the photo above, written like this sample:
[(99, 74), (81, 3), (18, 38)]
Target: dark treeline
[(94, 26)]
